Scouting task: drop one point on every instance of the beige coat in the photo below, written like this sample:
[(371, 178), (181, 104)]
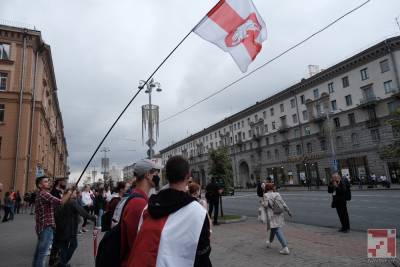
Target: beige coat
[(274, 220)]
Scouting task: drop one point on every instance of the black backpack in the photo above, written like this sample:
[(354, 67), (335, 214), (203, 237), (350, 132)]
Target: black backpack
[(109, 251), (260, 191)]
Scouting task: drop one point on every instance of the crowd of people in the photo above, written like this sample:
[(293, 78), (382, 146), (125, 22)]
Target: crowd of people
[(142, 226), (13, 203)]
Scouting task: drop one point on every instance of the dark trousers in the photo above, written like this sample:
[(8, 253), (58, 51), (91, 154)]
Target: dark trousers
[(7, 211), (67, 250), (213, 205), (88, 209), (343, 215)]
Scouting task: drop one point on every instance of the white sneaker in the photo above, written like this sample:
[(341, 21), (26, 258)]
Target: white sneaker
[(285, 251), (269, 244)]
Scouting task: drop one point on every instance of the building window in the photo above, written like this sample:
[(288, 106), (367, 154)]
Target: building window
[(302, 99), (248, 121), (282, 108), (249, 133), (1, 139), (276, 154), (1, 112), (271, 111), (384, 65), (333, 105), (294, 117), (264, 114), (349, 102), (375, 135), (4, 51), (238, 125), (339, 141), (307, 130), (298, 149), (234, 127), (336, 121), (352, 119), (268, 154), (297, 133), (292, 103), (215, 134), (396, 131), (323, 144), (242, 124), (345, 81), (316, 93), (275, 139), (305, 115), (387, 85), (364, 74), (287, 151), (309, 147), (3, 81), (393, 106), (354, 138), (330, 88), (256, 118), (273, 125), (267, 141), (318, 108), (244, 136), (266, 128)]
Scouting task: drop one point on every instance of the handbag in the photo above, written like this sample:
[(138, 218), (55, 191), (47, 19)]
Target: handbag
[(277, 208), (262, 214)]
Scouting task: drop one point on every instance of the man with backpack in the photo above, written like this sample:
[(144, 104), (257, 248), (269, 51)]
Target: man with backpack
[(117, 243), (341, 193)]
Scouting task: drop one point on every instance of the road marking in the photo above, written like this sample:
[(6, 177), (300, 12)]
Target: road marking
[(240, 196)]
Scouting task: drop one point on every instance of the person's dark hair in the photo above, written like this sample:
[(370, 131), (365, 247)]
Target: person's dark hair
[(120, 185), (177, 168), (39, 180), (269, 187)]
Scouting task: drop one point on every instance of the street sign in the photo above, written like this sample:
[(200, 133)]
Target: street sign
[(150, 142)]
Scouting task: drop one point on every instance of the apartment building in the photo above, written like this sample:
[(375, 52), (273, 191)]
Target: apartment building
[(32, 140), (336, 117)]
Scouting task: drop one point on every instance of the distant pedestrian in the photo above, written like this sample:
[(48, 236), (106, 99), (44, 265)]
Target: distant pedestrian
[(87, 200), (18, 201), (44, 215), (27, 197), (340, 189), (373, 180), (99, 206), (7, 207), (276, 207), (107, 222), (213, 193), (308, 182), (32, 201)]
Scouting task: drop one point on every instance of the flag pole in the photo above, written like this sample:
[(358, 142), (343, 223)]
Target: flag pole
[(133, 98)]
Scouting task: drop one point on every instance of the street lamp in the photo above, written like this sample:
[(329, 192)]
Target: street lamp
[(149, 89)]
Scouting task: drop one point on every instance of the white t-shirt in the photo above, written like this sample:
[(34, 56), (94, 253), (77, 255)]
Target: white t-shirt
[(86, 198)]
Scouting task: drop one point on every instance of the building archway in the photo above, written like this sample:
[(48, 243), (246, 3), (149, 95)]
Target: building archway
[(244, 173)]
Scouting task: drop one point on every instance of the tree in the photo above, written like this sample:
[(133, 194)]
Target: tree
[(221, 166), (393, 150)]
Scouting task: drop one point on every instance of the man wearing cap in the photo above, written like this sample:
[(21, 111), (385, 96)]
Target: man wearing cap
[(145, 170)]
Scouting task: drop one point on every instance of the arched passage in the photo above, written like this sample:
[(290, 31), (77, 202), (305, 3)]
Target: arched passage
[(244, 173)]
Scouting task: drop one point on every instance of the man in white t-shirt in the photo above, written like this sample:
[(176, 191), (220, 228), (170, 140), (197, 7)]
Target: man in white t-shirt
[(87, 200)]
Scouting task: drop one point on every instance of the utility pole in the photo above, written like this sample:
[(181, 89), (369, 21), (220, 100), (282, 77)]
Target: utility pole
[(105, 162)]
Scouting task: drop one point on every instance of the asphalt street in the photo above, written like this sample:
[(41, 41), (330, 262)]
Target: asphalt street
[(367, 209)]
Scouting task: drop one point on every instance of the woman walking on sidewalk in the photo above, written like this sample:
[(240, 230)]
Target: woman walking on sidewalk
[(275, 207)]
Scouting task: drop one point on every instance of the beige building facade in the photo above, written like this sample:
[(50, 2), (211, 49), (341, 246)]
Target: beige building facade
[(32, 140), (336, 117)]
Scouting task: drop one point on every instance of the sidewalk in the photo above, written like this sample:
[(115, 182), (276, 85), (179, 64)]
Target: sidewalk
[(233, 245)]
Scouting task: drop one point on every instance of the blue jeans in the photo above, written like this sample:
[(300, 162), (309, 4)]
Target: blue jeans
[(279, 235), (12, 211), (98, 223), (45, 239), (67, 250)]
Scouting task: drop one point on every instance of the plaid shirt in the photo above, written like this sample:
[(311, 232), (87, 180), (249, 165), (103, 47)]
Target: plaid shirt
[(44, 210)]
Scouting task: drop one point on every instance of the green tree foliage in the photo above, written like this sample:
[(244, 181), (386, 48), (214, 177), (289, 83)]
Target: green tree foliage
[(393, 150), (221, 165)]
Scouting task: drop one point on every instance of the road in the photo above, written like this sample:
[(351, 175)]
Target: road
[(367, 209)]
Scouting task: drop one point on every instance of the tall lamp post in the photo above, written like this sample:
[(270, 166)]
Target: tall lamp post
[(149, 89)]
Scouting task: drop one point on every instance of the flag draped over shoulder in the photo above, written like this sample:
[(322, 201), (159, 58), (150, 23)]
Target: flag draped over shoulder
[(236, 27)]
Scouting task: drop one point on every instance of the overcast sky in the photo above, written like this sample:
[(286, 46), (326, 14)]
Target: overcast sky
[(101, 49)]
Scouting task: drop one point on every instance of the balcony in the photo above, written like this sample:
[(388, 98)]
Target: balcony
[(239, 142), (283, 128), (396, 93), (369, 101), (257, 137), (318, 118), (372, 123)]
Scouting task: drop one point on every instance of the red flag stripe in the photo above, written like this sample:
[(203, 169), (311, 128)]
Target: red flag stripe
[(225, 16)]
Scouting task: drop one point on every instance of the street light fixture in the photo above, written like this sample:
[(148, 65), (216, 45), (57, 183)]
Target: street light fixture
[(149, 89)]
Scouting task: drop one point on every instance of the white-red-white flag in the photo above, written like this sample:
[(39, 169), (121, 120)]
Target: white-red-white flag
[(236, 27)]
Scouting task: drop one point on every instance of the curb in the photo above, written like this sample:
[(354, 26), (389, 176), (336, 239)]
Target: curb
[(241, 219)]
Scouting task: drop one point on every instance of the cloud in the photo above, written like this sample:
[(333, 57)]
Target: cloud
[(101, 49)]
